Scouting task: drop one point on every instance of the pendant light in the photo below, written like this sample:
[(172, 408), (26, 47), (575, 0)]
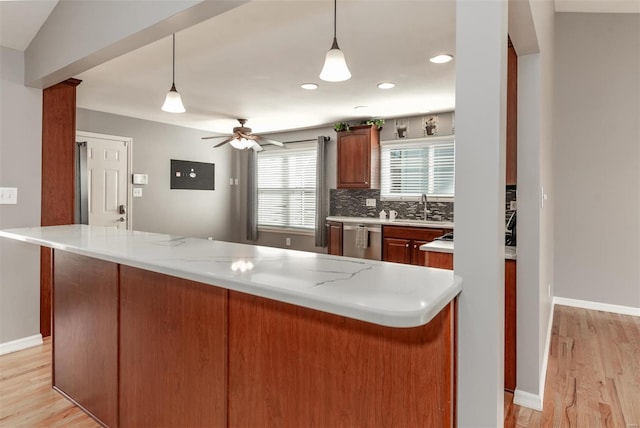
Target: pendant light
[(335, 67), (173, 101)]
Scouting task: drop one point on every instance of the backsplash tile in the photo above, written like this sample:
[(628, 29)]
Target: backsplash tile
[(351, 203)]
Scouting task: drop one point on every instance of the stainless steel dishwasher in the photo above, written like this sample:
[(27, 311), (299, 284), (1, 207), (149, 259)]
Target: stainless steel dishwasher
[(350, 248)]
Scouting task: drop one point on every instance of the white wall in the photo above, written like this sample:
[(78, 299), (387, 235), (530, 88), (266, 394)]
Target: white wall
[(197, 213), (481, 83), (20, 166), (597, 158), (535, 223)]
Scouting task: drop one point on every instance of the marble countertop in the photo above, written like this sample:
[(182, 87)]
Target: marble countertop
[(510, 253), (396, 222), (387, 294)]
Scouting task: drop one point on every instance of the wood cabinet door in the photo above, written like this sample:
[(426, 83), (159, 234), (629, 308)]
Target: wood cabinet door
[(510, 325), (335, 238), (439, 260), (418, 257), (354, 159), (397, 250)]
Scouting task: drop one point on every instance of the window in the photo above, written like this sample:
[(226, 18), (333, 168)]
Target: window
[(286, 184), (411, 168)]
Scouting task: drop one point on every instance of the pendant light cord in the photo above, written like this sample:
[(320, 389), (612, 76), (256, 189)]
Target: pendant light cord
[(335, 6), (173, 76)]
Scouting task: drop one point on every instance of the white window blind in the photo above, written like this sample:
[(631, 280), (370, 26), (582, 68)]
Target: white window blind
[(411, 168), (286, 181)]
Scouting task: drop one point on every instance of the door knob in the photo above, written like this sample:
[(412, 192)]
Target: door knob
[(121, 219), (122, 209)]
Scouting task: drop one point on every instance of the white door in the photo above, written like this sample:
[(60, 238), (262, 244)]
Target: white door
[(107, 181)]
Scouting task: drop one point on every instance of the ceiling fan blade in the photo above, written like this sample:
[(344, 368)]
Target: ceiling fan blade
[(257, 147), (247, 136), (213, 136), (274, 142), (224, 142)]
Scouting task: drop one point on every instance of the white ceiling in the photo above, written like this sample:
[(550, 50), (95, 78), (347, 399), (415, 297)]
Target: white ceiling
[(251, 61)]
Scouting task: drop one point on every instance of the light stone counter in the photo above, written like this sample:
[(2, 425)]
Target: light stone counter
[(396, 222), (387, 294), (447, 247)]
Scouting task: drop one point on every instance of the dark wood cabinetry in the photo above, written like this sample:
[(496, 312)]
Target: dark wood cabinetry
[(512, 116), (358, 153), (334, 235), (402, 244), (85, 330), (445, 261)]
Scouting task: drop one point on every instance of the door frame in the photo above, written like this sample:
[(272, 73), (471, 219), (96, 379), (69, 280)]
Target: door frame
[(129, 143)]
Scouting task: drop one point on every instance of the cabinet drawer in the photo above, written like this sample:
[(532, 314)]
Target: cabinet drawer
[(417, 233)]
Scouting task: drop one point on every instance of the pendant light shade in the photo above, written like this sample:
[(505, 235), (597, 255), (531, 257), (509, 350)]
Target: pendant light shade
[(173, 100), (335, 67)]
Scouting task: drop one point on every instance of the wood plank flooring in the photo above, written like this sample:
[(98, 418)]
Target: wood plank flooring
[(26, 397), (593, 379), (593, 374)]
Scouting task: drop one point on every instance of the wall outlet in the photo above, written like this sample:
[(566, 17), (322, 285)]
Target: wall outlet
[(287, 242), (513, 205), (137, 192), (8, 195), (231, 182), (371, 202)]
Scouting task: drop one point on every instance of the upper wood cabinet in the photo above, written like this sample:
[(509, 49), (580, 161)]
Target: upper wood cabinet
[(359, 158), (512, 116)]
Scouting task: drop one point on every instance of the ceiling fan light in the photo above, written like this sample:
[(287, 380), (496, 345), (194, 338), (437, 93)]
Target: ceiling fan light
[(173, 101), (241, 143), (335, 67)]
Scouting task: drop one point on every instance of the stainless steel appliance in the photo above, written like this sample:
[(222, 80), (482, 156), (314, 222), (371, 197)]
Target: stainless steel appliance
[(350, 241)]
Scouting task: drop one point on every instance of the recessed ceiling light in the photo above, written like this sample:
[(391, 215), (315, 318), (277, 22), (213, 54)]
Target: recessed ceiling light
[(360, 107), (309, 86), (441, 59), (386, 85)]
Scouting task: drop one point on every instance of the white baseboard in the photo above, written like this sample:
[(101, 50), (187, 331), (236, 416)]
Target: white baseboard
[(527, 399), (535, 401), (606, 307), (19, 344)]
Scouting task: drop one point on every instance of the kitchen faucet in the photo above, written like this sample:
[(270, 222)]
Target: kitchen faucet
[(423, 201)]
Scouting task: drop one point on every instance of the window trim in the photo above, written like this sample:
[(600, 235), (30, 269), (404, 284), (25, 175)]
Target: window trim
[(290, 148)]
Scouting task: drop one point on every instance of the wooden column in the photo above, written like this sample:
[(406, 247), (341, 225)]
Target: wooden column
[(58, 173)]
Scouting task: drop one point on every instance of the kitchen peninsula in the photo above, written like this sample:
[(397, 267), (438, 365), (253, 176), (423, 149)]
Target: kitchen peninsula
[(158, 330)]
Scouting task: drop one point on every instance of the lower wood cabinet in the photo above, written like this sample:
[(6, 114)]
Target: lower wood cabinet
[(334, 235), (445, 261), (402, 244)]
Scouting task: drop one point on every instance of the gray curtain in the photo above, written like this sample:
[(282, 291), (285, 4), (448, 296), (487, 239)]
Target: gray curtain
[(321, 193), (252, 197)]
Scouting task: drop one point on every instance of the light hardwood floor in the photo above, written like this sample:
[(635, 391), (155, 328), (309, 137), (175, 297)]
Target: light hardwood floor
[(593, 379), (26, 397), (593, 374)]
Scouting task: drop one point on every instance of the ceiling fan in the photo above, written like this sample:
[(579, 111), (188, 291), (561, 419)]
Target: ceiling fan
[(243, 139)]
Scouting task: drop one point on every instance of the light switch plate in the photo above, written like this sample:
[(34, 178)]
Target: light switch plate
[(137, 192), (140, 179), (8, 195), (513, 205)]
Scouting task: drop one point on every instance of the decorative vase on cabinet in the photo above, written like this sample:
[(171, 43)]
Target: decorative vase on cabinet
[(359, 158)]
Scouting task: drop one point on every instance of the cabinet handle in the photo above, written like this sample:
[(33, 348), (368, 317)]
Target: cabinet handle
[(415, 246), (407, 245)]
